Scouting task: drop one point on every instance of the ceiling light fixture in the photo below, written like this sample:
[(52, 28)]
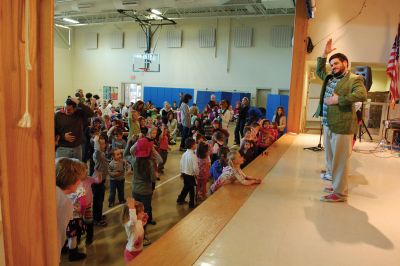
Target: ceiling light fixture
[(154, 16), (62, 26), (71, 20), (155, 11)]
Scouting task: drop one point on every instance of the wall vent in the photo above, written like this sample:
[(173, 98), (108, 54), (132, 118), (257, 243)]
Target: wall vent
[(92, 40), (207, 37), (174, 39), (242, 36), (281, 36)]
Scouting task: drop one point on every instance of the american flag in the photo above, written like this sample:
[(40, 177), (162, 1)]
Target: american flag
[(392, 69)]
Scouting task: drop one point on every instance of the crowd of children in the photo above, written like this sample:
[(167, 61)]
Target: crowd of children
[(134, 141)]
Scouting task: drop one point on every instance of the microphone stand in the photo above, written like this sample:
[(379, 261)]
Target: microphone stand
[(319, 146)]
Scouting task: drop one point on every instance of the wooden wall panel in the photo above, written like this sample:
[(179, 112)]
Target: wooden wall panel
[(27, 154), (298, 68)]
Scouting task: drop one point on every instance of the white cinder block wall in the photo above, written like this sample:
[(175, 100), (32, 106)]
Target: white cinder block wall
[(245, 69)]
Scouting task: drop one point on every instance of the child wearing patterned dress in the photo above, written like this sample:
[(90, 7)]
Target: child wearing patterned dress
[(265, 136), (133, 218), (85, 197), (204, 170), (232, 172)]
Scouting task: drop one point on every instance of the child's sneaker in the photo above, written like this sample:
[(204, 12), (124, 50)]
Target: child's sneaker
[(100, 223), (328, 190), (146, 242), (326, 176), (332, 198), (75, 255)]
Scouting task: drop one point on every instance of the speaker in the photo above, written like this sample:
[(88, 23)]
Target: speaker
[(366, 72)]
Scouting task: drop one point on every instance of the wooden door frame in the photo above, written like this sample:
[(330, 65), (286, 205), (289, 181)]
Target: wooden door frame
[(298, 68), (27, 171)]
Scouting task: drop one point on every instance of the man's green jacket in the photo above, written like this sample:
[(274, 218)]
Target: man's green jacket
[(341, 117)]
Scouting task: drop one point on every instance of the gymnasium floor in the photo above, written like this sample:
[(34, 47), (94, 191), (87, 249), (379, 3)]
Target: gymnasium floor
[(109, 242), (283, 222)]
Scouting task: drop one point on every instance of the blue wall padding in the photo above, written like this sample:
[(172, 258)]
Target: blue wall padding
[(158, 95)]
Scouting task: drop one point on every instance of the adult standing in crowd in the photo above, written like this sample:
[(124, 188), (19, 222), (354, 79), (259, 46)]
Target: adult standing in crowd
[(241, 120), (181, 95), (280, 120), (212, 103), (340, 91), (185, 119), (174, 106), (80, 96), (164, 112), (69, 126), (123, 109), (172, 125), (224, 114), (140, 108)]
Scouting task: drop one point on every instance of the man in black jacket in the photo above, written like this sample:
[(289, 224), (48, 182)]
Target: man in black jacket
[(242, 118), (69, 126)]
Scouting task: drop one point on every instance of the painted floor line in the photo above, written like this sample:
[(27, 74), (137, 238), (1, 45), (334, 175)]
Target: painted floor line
[(167, 181), (113, 209), (161, 184)]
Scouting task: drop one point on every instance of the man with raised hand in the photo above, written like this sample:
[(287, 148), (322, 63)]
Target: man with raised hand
[(340, 90)]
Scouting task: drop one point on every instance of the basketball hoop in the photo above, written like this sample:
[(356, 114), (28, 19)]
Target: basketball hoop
[(144, 69)]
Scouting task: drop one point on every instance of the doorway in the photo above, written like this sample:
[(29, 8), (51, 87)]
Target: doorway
[(262, 96), (283, 92), (132, 92)]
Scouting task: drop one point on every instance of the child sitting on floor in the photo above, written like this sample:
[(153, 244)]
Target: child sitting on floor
[(232, 172), (247, 152), (218, 141), (133, 218), (265, 136), (218, 165)]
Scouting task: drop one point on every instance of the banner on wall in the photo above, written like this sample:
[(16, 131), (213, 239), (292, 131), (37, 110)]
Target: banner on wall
[(110, 93)]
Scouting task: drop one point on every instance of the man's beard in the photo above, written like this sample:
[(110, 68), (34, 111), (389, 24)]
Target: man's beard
[(339, 73)]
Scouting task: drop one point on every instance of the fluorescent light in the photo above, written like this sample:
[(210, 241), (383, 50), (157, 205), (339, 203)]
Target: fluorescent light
[(155, 11), (71, 20), (154, 16), (62, 26)]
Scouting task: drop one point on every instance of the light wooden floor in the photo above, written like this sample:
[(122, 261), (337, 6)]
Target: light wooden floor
[(284, 223)]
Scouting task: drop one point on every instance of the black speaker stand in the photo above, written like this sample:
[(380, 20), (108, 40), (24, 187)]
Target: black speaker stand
[(363, 125)]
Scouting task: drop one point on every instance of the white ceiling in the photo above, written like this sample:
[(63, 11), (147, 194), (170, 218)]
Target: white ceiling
[(105, 11)]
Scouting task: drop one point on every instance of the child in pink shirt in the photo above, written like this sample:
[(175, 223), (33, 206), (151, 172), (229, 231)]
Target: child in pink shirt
[(163, 147), (85, 199), (204, 163)]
